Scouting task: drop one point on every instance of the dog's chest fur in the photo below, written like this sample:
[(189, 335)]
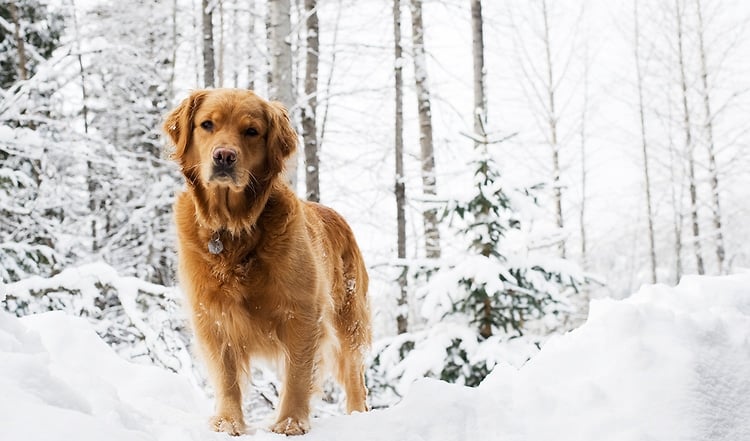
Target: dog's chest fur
[(246, 286)]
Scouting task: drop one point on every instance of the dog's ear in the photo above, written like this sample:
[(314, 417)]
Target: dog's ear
[(179, 123), (281, 139)]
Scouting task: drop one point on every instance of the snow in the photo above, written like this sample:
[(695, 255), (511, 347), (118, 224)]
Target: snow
[(664, 364)]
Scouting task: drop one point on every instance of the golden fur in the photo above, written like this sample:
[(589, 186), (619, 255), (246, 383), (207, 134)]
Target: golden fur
[(289, 285)]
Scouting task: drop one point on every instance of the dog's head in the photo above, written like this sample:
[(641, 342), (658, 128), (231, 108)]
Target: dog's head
[(230, 138)]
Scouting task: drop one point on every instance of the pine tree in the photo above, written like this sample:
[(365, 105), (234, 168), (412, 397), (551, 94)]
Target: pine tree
[(489, 216), (30, 216), (129, 81), (32, 32), (496, 291)]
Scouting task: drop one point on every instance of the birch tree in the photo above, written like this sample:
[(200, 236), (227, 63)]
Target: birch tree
[(480, 100), (220, 64), (545, 61), (209, 65), (429, 180), (281, 84), (644, 144), (689, 144), (251, 36), (552, 121), (582, 221), (310, 109), (402, 317), (708, 129)]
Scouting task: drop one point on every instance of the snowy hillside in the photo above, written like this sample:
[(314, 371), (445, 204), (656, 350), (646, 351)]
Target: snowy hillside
[(664, 364)]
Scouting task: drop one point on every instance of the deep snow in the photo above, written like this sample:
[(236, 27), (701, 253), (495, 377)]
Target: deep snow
[(664, 364)]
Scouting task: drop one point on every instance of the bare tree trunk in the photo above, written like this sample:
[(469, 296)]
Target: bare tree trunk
[(309, 112), (708, 126), (480, 100), (175, 45), (402, 317), (251, 59), (281, 86), (20, 45), (220, 67), (90, 178), (480, 118), (81, 71), (678, 216), (644, 144), (269, 61), (235, 24), (208, 44), (197, 42), (429, 180), (552, 120), (689, 147), (584, 166)]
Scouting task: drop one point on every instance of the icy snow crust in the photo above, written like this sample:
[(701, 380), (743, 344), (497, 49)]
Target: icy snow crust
[(664, 364)]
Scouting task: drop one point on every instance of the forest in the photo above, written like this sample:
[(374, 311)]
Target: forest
[(501, 162)]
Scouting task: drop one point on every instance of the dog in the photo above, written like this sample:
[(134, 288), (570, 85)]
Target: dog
[(266, 275)]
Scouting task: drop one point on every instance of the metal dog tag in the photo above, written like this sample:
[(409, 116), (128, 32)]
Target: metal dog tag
[(214, 245)]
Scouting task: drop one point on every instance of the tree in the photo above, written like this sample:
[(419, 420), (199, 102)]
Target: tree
[(489, 217), (480, 99), (546, 60), (281, 84), (20, 45), (552, 120), (402, 315), (209, 64), (708, 127), (29, 32), (644, 144), (32, 213), (497, 290), (251, 36), (129, 82), (429, 179), (310, 110), (689, 148)]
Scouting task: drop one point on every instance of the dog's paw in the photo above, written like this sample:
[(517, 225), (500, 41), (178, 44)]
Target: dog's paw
[(291, 426), (229, 425)]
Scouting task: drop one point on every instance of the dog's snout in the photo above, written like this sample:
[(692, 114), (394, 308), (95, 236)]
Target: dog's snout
[(224, 157)]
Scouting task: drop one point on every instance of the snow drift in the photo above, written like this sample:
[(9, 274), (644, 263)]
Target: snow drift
[(664, 364)]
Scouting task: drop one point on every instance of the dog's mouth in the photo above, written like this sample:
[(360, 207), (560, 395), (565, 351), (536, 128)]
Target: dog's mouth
[(231, 179), (223, 176)]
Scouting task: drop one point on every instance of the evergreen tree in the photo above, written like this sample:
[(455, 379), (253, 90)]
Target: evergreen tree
[(495, 292), (31, 213), (39, 31), (518, 289), (129, 78)]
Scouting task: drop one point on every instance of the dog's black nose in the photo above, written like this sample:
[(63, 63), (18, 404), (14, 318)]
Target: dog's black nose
[(224, 157)]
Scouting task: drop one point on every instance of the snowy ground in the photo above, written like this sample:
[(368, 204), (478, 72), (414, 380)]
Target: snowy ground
[(664, 364)]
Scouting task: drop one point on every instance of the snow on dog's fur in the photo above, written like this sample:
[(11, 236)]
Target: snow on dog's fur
[(265, 274)]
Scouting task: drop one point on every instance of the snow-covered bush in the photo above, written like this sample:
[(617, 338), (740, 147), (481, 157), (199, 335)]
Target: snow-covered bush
[(41, 210), (477, 303), (143, 322)]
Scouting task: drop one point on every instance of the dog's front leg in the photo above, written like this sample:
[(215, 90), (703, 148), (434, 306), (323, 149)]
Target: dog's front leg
[(294, 412), (224, 372)]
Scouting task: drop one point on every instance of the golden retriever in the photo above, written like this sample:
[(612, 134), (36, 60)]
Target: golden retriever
[(265, 273)]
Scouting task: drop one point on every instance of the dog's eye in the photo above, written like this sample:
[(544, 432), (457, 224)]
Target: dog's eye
[(207, 125), (251, 132)]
